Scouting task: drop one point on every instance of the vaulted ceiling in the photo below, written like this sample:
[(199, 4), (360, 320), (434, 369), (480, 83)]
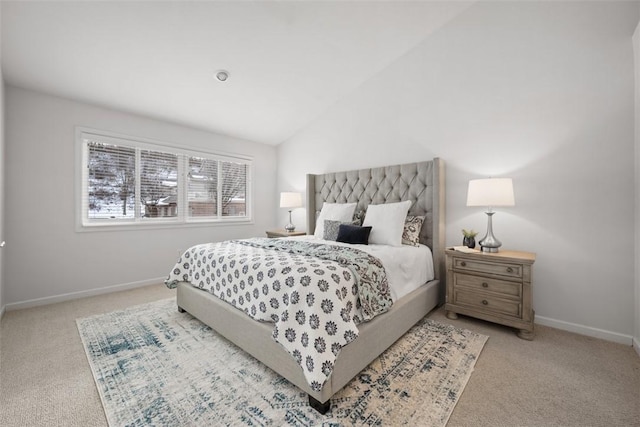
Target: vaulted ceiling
[(288, 61)]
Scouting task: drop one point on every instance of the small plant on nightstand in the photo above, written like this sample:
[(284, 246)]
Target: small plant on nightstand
[(469, 239)]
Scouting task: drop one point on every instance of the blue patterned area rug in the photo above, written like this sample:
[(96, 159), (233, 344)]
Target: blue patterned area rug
[(154, 366)]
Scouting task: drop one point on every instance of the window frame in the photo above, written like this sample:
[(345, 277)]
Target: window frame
[(84, 223)]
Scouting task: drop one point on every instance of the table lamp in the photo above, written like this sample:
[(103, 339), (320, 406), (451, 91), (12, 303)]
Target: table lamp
[(490, 192), (291, 201)]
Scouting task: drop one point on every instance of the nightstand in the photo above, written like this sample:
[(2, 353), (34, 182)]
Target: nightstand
[(492, 286), (284, 233)]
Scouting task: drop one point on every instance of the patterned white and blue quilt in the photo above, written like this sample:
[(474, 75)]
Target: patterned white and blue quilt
[(314, 293)]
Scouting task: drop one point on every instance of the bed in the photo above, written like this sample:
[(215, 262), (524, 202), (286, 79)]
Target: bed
[(423, 184)]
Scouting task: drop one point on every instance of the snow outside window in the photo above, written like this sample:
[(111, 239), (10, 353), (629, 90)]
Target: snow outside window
[(131, 182), (111, 181)]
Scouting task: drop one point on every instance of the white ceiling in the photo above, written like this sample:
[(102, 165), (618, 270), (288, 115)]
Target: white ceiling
[(289, 61)]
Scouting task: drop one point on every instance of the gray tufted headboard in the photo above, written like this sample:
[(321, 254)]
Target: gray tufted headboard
[(422, 183)]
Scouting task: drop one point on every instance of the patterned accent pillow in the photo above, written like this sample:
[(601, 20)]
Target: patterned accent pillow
[(331, 228), (411, 232)]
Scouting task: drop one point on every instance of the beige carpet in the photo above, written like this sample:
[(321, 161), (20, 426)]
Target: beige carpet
[(559, 379)]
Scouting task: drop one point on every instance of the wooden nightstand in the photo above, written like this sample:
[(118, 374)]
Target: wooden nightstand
[(491, 286), (284, 233)]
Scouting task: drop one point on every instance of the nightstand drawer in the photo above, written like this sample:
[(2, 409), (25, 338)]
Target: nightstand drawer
[(482, 284), (488, 303), (498, 268)]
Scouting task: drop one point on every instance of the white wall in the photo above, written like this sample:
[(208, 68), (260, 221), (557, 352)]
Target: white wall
[(541, 92), (636, 51), (45, 257), (2, 163)]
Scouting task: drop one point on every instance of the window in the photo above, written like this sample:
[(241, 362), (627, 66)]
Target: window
[(203, 187), (133, 182)]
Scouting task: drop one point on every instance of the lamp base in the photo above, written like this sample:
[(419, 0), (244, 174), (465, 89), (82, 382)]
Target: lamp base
[(290, 227), (489, 243)]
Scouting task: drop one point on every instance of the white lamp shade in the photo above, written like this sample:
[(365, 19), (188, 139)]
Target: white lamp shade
[(491, 192), (290, 200)]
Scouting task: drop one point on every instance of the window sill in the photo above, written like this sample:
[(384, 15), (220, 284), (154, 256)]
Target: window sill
[(137, 226)]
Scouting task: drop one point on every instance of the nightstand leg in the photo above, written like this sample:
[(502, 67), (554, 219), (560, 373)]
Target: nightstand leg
[(451, 315)]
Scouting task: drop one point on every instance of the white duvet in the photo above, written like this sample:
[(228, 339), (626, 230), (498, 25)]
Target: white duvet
[(408, 267)]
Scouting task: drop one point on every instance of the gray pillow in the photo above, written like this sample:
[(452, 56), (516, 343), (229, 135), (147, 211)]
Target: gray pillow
[(331, 228)]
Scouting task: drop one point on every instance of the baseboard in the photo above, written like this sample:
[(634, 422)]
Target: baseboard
[(586, 330), (558, 324), (81, 294)]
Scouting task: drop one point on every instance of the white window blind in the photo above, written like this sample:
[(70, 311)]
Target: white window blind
[(111, 181), (129, 182), (203, 187), (234, 187), (159, 184)]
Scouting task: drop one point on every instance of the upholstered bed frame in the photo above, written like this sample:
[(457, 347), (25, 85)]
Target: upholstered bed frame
[(421, 182)]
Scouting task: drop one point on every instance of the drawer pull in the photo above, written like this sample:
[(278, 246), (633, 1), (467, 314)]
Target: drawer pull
[(485, 302), (463, 264), (485, 285), (509, 270)]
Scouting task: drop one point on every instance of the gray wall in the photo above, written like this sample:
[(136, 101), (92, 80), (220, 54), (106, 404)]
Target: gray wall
[(46, 260), (539, 91)]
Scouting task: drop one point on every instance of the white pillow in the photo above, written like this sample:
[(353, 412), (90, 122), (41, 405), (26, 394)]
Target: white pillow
[(387, 221), (333, 211)]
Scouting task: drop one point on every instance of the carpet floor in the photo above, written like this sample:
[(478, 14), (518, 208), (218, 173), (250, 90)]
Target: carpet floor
[(155, 366), (558, 379)]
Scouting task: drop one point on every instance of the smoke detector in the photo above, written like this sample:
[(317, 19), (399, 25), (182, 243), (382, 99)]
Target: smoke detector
[(222, 75)]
